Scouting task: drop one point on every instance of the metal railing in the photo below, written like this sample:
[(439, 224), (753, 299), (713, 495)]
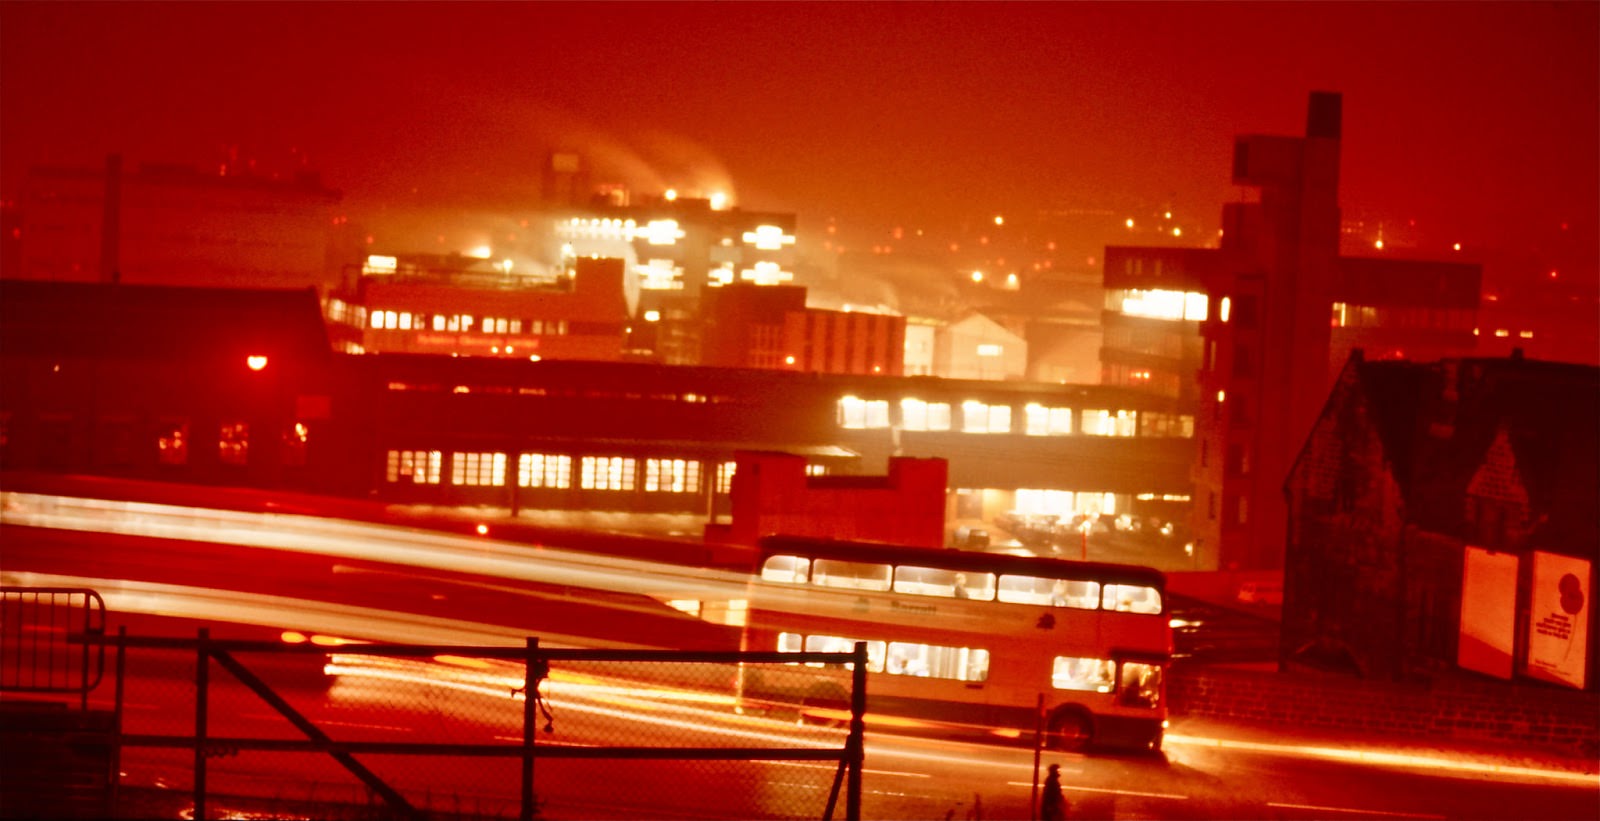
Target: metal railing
[(37, 653), (638, 670)]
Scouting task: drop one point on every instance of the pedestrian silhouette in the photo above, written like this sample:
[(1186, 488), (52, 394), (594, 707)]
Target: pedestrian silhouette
[(1053, 806)]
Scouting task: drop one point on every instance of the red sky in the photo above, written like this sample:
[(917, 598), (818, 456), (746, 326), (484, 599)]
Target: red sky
[(1479, 120)]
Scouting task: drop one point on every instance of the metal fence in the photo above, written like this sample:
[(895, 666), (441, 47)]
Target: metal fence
[(36, 655), (443, 731)]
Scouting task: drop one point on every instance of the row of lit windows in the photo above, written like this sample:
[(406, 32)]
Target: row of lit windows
[(1082, 594), (898, 658), (233, 443), (545, 470), (980, 417), (455, 323), (1158, 304)]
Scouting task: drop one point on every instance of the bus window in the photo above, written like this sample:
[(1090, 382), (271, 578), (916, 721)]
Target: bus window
[(932, 581), (933, 661), (859, 575), (790, 643), (1132, 598), (1092, 675), (788, 569), (1052, 592), (835, 644), (1141, 684)]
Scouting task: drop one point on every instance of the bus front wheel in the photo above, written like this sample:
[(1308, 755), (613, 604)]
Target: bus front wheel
[(1069, 730)]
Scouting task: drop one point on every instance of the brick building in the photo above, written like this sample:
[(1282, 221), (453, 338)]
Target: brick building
[(1442, 517)]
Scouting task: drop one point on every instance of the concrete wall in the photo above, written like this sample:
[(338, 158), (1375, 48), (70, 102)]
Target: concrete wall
[(1459, 710)]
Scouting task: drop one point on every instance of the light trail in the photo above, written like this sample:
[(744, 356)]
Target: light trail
[(1386, 759), (1353, 811)]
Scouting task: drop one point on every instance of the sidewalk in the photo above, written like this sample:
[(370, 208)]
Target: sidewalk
[(1484, 759)]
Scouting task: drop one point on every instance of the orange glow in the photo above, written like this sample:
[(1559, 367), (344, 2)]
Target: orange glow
[(293, 637), (483, 530), (255, 362)]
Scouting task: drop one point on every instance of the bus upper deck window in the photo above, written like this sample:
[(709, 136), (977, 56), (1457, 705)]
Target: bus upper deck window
[(788, 569), (857, 575), (933, 581), (1132, 598)]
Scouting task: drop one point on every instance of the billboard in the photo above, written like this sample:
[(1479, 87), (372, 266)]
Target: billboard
[(1488, 611), (1558, 624)]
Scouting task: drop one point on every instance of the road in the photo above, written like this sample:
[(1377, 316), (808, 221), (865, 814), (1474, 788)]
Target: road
[(452, 590)]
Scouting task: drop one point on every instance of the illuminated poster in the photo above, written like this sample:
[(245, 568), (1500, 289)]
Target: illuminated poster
[(1488, 611), (1558, 631)]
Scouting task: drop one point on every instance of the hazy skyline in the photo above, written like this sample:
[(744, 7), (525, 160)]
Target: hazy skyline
[(1481, 121)]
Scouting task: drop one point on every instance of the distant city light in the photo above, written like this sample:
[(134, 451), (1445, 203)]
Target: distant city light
[(652, 316), (977, 276), (1167, 215), (1222, 396), (788, 360), (1378, 245), (378, 264), (255, 362), (1177, 232), (719, 201), (768, 238), (1223, 310), (483, 530), (671, 194), (1128, 222), (481, 252), (1458, 246), (999, 220)]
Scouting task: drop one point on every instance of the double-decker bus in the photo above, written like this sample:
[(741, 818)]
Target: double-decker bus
[(962, 642)]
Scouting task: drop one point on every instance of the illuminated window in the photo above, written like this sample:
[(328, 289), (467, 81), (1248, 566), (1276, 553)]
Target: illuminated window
[(416, 466), (1131, 598), (439, 322), (172, 443), (671, 476), (478, 469), (1108, 423), (544, 470), (979, 417), (294, 445), (1043, 421), (1087, 674), (1140, 685), (916, 414), (725, 477), (1082, 595), (786, 569), (607, 473), (935, 661), (858, 414), (855, 575), (1160, 304), (1179, 425), (989, 349), (932, 581), (233, 443)]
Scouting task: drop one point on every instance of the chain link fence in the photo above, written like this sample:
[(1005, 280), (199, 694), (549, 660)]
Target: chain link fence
[(431, 731)]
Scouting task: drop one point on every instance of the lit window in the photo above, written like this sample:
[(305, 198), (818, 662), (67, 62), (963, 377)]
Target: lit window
[(1043, 421), (671, 476), (478, 469), (544, 470), (725, 477), (172, 444), (979, 417), (294, 445), (607, 473), (1048, 592), (933, 581), (416, 466), (857, 414), (1086, 674), (916, 414), (854, 575), (1109, 423), (233, 443), (1131, 598), (988, 349)]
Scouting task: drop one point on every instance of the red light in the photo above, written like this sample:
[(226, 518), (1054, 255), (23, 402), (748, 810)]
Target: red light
[(255, 362), (483, 530)]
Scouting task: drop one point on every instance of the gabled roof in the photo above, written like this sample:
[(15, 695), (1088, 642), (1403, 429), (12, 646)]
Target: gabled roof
[(1437, 422)]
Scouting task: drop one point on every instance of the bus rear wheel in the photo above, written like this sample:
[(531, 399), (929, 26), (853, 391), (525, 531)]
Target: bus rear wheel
[(1069, 730)]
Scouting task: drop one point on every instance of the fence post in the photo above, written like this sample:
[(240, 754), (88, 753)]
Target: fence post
[(856, 747), (202, 669), (530, 724), (1038, 746)]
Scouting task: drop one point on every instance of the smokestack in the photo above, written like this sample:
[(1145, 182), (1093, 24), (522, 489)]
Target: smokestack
[(1324, 114), (111, 222)]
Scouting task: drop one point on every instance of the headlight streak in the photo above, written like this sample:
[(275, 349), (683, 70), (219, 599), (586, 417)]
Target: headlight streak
[(1381, 758)]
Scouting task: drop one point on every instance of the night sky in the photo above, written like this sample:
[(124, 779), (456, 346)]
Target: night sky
[(1480, 121)]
